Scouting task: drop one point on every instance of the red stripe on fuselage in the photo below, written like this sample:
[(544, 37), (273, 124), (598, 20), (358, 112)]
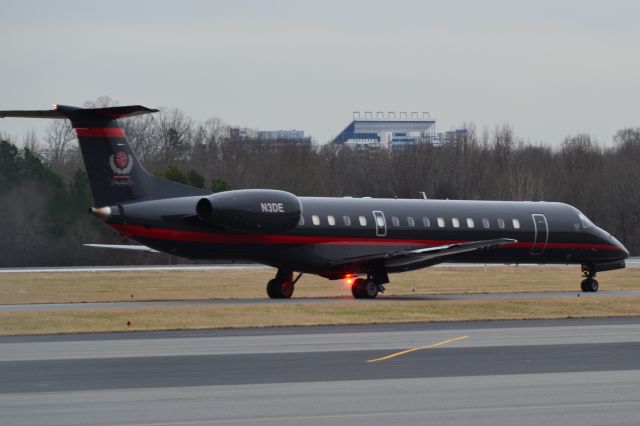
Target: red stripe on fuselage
[(112, 132), (136, 231)]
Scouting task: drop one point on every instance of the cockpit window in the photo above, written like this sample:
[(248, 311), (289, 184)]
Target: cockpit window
[(586, 223)]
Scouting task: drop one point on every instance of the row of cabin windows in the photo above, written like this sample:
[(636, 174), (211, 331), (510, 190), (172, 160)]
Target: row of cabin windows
[(331, 220), (426, 222)]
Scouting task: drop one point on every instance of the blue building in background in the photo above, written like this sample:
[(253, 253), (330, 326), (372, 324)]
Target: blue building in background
[(392, 130)]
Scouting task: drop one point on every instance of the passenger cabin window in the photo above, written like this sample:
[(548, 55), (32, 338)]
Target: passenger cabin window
[(331, 220), (363, 220), (470, 223), (426, 222), (411, 222), (501, 223), (301, 221), (485, 223), (380, 221), (346, 220), (395, 221), (516, 224), (440, 222), (315, 219), (455, 222)]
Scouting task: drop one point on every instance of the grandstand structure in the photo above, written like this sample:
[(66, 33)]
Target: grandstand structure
[(392, 130)]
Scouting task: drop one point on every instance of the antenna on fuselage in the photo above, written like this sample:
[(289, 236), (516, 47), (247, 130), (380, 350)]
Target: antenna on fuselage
[(424, 195)]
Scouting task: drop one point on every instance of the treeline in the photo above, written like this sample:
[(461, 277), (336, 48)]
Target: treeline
[(43, 217), (43, 202)]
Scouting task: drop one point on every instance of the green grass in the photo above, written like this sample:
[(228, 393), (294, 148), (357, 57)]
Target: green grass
[(358, 312), (63, 287)]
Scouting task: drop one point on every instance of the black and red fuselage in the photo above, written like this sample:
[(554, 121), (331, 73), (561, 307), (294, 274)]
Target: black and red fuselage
[(333, 229)]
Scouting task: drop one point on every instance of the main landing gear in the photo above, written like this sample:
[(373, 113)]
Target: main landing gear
[(282, 286), (589, 283), (368, 288), (365, 289)]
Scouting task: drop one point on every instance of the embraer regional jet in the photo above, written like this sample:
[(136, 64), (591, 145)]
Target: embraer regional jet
[(361, 240)]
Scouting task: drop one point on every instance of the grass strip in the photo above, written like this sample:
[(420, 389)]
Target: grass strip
[(112, 286), (359, 312)]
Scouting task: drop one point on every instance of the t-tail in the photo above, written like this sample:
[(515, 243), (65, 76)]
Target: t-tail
[(115, 173)]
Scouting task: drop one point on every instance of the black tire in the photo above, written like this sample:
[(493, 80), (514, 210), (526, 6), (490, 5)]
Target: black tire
[(279, 289), (364, 289), (272, 289), (369, 289), (589, 285), (583, 286), (356, 288)]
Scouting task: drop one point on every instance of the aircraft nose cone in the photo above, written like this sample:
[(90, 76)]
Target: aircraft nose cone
[(623, 250)]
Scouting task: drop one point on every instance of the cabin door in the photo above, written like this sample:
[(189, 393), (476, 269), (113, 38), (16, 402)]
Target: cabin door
[(540, 234), (381, 224)]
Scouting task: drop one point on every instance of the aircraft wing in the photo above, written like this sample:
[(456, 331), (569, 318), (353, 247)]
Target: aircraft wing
[(429, 253), (123, 247)]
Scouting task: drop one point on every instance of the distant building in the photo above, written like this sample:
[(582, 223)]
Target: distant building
[(451, 136), (295, 136), (387, 130), (241, 133), (393, 131), (274, 137)]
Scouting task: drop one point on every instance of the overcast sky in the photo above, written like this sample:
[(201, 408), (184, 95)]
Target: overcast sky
[(549, 68)]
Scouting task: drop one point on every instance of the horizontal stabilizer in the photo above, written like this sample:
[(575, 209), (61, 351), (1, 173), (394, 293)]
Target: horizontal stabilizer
[(52, 113), (63, 111), (123, 247)]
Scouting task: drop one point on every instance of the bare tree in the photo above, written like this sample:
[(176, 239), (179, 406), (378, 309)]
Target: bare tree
[(58, 138), (31, 141)]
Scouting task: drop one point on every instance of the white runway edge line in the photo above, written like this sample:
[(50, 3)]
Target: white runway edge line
[(632, 262), (134, 268)]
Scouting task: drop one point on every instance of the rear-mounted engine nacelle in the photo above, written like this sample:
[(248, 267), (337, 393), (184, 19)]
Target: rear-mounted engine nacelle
[(251, 210)]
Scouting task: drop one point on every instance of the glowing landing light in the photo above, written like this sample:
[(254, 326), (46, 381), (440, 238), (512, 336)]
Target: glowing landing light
[(348, 281)]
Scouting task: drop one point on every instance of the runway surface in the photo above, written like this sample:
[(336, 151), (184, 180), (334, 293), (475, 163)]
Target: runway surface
[(582, 372), (311, 300)]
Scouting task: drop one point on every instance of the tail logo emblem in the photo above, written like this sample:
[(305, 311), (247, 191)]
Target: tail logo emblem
[(122, 159), (120, 163)]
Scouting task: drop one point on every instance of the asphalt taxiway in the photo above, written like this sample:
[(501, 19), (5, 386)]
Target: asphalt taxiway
[(566, 372)]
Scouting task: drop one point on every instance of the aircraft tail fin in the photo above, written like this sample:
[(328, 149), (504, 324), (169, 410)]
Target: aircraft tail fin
[(115, 173)]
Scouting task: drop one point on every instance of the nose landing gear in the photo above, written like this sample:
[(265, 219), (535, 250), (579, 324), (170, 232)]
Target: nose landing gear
[(589, 283)]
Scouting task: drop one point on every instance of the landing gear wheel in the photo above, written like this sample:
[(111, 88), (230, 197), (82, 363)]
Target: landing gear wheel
[(589, 285), (583, 286), (355, 288), (280, 289), (286, 289), (272, 289), (364, 289)]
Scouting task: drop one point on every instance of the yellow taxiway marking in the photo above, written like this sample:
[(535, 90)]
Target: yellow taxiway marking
[(435, 345)]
